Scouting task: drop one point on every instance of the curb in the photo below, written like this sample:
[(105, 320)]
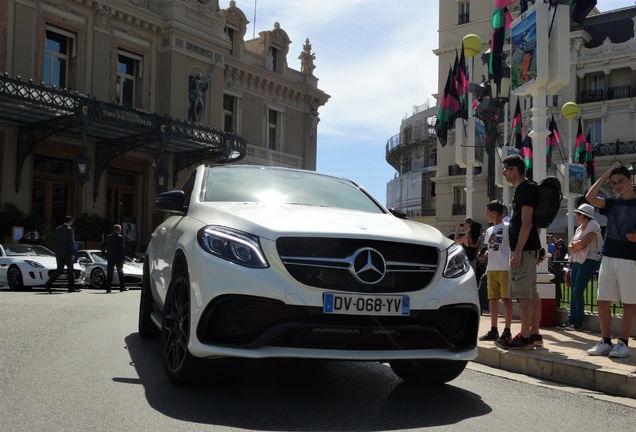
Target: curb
[(541, 363)]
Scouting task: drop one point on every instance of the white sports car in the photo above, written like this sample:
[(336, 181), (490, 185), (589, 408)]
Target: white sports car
[(260, 262), (25, 265), (95, 264)]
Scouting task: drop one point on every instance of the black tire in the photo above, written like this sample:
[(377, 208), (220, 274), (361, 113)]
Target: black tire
[(428, 372), (14, 278), (147, 327), (98, 278), (180, 366)]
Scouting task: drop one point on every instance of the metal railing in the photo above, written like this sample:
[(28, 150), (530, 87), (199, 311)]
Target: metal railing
[(592, 96), (459, 209), (564, 292), (619, 92)]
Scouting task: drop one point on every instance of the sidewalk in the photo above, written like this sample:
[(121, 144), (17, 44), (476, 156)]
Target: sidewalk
[(563, 358)]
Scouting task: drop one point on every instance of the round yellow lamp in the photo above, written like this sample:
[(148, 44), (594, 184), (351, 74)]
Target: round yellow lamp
[(472, 45), (570, 110)]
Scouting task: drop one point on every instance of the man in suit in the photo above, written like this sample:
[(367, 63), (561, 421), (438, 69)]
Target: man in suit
[(115, 250), (64, 254)]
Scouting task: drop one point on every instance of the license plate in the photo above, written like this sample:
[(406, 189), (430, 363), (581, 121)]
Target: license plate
[(63, 276), (360, 304)]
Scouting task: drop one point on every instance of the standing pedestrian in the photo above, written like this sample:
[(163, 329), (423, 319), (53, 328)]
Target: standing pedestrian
[(524, 246), (618, 266), (114, 248), (584, 248), (498, 254), (64, 254), (470, 241)]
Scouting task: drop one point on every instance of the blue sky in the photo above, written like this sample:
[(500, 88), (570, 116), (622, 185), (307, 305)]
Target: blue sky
[(375, 58)]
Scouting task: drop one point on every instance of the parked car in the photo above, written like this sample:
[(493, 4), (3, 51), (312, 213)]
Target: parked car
[(95, 263), (25, 265), (263, 262)]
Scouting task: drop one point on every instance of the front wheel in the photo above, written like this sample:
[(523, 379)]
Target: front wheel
[(14, 278), (428, 372), (180, 366), (98, 278)]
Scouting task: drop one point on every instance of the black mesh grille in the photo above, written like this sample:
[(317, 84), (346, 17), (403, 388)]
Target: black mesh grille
[(252, 322), (318, 262)]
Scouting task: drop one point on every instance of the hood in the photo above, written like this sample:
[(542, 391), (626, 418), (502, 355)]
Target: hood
[(274, 221)]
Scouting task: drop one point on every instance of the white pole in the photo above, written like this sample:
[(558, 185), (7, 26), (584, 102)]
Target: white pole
[(570, 215), (539, 136)]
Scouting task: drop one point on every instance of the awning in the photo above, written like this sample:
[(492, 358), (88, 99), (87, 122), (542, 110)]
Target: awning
[(39, 111)]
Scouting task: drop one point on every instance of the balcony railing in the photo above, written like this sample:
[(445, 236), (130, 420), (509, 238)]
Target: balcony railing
[(459, 209), (591, 96), (455, 170), (615, 148), (262, 156), (409, 136), (620, 92)]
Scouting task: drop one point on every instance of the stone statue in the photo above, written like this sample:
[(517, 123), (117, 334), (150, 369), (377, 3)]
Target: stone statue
[(197, 87), (307, 59)]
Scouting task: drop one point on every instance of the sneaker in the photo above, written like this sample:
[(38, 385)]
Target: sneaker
[(518, 343), (619, 350), (505, 337), (492, 335), (601, 348), (537, 340), (570, 326)]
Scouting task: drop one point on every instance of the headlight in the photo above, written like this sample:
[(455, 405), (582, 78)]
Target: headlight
[(34, 264), (232, 245), (456, 262)]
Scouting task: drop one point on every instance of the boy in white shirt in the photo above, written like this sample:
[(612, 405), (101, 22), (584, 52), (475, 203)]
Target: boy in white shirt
[(498, 254)]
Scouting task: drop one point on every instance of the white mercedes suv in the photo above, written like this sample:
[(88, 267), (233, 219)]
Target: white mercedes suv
[(261, 262)]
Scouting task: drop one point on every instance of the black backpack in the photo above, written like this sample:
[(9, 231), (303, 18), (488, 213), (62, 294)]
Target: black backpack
[(550, 197)]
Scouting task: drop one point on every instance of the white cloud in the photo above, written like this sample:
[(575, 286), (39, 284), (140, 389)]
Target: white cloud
[(374, 58)]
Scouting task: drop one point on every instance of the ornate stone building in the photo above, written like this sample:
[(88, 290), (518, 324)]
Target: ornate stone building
[(104, 103)]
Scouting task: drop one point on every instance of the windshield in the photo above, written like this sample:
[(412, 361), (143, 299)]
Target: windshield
[(98, 257), (19, 249), (282, 186)]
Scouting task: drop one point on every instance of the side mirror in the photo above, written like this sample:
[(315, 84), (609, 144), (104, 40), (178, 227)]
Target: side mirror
[(397, 213), (171, 201)]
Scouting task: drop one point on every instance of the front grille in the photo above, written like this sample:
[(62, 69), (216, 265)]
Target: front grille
[(252, 322), (328, 263)]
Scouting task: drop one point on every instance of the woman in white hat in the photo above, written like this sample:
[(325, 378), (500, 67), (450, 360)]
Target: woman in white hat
[(584, 251)]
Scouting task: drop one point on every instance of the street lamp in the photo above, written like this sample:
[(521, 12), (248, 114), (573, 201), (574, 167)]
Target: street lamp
[(83, 162), (161, 177), (492, 101)]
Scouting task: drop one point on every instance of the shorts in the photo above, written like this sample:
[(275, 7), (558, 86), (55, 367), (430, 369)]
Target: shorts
[(616, 280), (522, 281), (497, 284)]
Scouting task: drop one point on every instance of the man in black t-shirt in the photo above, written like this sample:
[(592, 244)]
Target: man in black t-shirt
[(524, 252)]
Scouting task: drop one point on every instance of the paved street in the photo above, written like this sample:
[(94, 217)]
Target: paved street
[(74, 362)]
